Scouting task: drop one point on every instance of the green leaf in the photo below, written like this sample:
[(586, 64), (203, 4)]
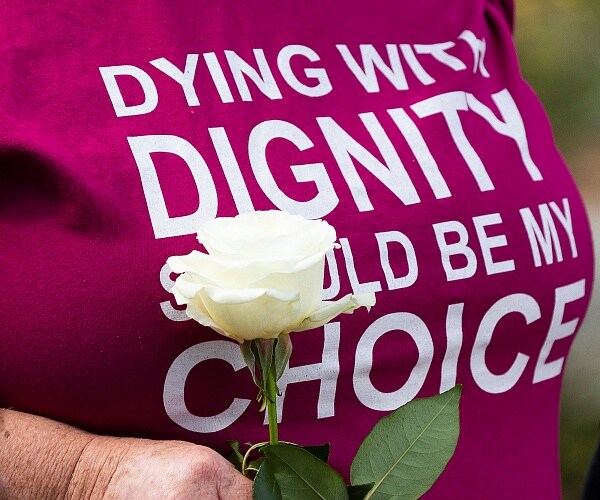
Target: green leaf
[(321, 451), (266, 486), (359, 491), (407, 450), (283, 351), (264, 349), (249, 359), (255, 464), (235, 455), (296, 474)]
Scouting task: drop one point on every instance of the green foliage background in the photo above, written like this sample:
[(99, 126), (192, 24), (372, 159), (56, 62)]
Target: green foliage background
[(559, 48)]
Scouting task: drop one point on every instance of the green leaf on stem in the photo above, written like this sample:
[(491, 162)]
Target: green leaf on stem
[(292, 473), (235, 455), (283, 351), (407, 450)]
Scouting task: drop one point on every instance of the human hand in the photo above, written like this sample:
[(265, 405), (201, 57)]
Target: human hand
[(124, 468)]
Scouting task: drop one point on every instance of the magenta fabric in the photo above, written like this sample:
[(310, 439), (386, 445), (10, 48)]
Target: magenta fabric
[(406, 125)]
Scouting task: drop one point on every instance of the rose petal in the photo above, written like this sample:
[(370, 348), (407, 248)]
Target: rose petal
[(308, 283), (196, 311), (190, 262), (185, 288), (266, 236), (203, 268), (244, 295), (329, 310), (265, 316)]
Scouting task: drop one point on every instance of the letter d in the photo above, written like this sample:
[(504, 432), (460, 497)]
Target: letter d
[(109, 74), (165, 226)]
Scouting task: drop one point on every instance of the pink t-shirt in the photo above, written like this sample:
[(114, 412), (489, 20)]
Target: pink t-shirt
[(406, 125)]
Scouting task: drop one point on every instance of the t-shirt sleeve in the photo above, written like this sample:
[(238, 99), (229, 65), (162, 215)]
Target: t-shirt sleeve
[(507, 9)]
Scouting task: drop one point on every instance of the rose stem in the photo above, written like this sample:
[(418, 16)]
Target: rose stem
[(272, 405)]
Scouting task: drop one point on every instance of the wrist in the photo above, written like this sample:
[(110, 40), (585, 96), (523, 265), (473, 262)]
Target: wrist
[(38, 456), (96, 467)]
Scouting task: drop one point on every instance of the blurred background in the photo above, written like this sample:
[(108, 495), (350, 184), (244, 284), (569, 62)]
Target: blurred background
[(559, 49)]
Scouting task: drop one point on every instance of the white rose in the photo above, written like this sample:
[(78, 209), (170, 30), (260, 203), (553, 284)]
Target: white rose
[(262, 276)]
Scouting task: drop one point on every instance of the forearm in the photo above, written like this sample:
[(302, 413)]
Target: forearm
[(41, 458)]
